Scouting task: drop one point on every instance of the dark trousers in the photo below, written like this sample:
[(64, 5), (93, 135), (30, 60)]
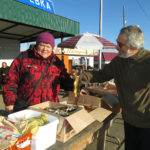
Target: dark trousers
[(136, 138)]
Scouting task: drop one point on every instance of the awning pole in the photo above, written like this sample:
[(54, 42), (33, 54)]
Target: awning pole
[(86, 60), (100, 59), (100, 33), (100, 20), (62, 50)]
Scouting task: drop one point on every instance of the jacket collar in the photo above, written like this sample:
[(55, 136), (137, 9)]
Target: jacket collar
[(135, 57)]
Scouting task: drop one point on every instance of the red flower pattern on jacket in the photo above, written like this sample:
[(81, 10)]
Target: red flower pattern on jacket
[(24, 73)]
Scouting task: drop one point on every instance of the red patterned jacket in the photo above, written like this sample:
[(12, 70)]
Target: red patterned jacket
[(24, 73)]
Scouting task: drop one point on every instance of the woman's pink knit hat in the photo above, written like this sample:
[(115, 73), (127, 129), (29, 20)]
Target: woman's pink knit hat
[(46, 37)]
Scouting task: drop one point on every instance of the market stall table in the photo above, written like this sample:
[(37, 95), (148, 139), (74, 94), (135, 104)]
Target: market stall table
[(95, 131)]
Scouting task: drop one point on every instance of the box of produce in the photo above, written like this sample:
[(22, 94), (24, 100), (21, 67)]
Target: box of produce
[(72, 118), (42, 126)]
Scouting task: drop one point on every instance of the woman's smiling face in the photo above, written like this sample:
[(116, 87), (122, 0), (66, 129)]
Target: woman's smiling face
[(44, 49)]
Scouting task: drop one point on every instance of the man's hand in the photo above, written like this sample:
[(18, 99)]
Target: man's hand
[(84, 92), (116, 109), (9, 108), (69, 93)]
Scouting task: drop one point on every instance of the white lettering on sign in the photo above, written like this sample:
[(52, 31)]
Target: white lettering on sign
[(75, 51), (48, 6), (37, 2), (32, 1), (41, 3)]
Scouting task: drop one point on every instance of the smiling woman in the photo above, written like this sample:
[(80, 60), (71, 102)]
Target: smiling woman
[(45, 44), (36, 75), (45, 50)]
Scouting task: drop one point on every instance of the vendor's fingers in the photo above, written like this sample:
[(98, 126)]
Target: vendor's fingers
[(83, 92), (116, 109), (9, 108)]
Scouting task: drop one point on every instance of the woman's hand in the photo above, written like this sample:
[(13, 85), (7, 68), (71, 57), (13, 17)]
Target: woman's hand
[(9, 108), (84, 92)]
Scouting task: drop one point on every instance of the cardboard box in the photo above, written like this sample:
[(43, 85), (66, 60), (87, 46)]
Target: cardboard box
[(46, 135), (70, 125), (109, 96), (100, 110), (4, 144)]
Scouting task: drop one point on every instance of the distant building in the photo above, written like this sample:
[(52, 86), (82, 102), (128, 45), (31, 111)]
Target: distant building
[(21, 22), (106, 58)]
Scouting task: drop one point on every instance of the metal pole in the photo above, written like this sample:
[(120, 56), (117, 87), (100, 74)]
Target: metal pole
[(100, 59), (86, 60), (124, 20), (100, 21), (100, 32), (62, 51)]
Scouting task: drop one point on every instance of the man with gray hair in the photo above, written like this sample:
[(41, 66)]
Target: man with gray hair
[(131, 73), (133, 38)]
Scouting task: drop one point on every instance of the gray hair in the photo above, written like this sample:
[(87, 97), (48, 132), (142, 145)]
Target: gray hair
[(135, 37)]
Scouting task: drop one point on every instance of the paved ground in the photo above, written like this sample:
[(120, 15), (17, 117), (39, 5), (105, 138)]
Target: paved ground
[(114, 132), (115, 136)]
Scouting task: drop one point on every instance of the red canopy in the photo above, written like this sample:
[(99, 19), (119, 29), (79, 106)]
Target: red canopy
[(72, 42), (106, 56)]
